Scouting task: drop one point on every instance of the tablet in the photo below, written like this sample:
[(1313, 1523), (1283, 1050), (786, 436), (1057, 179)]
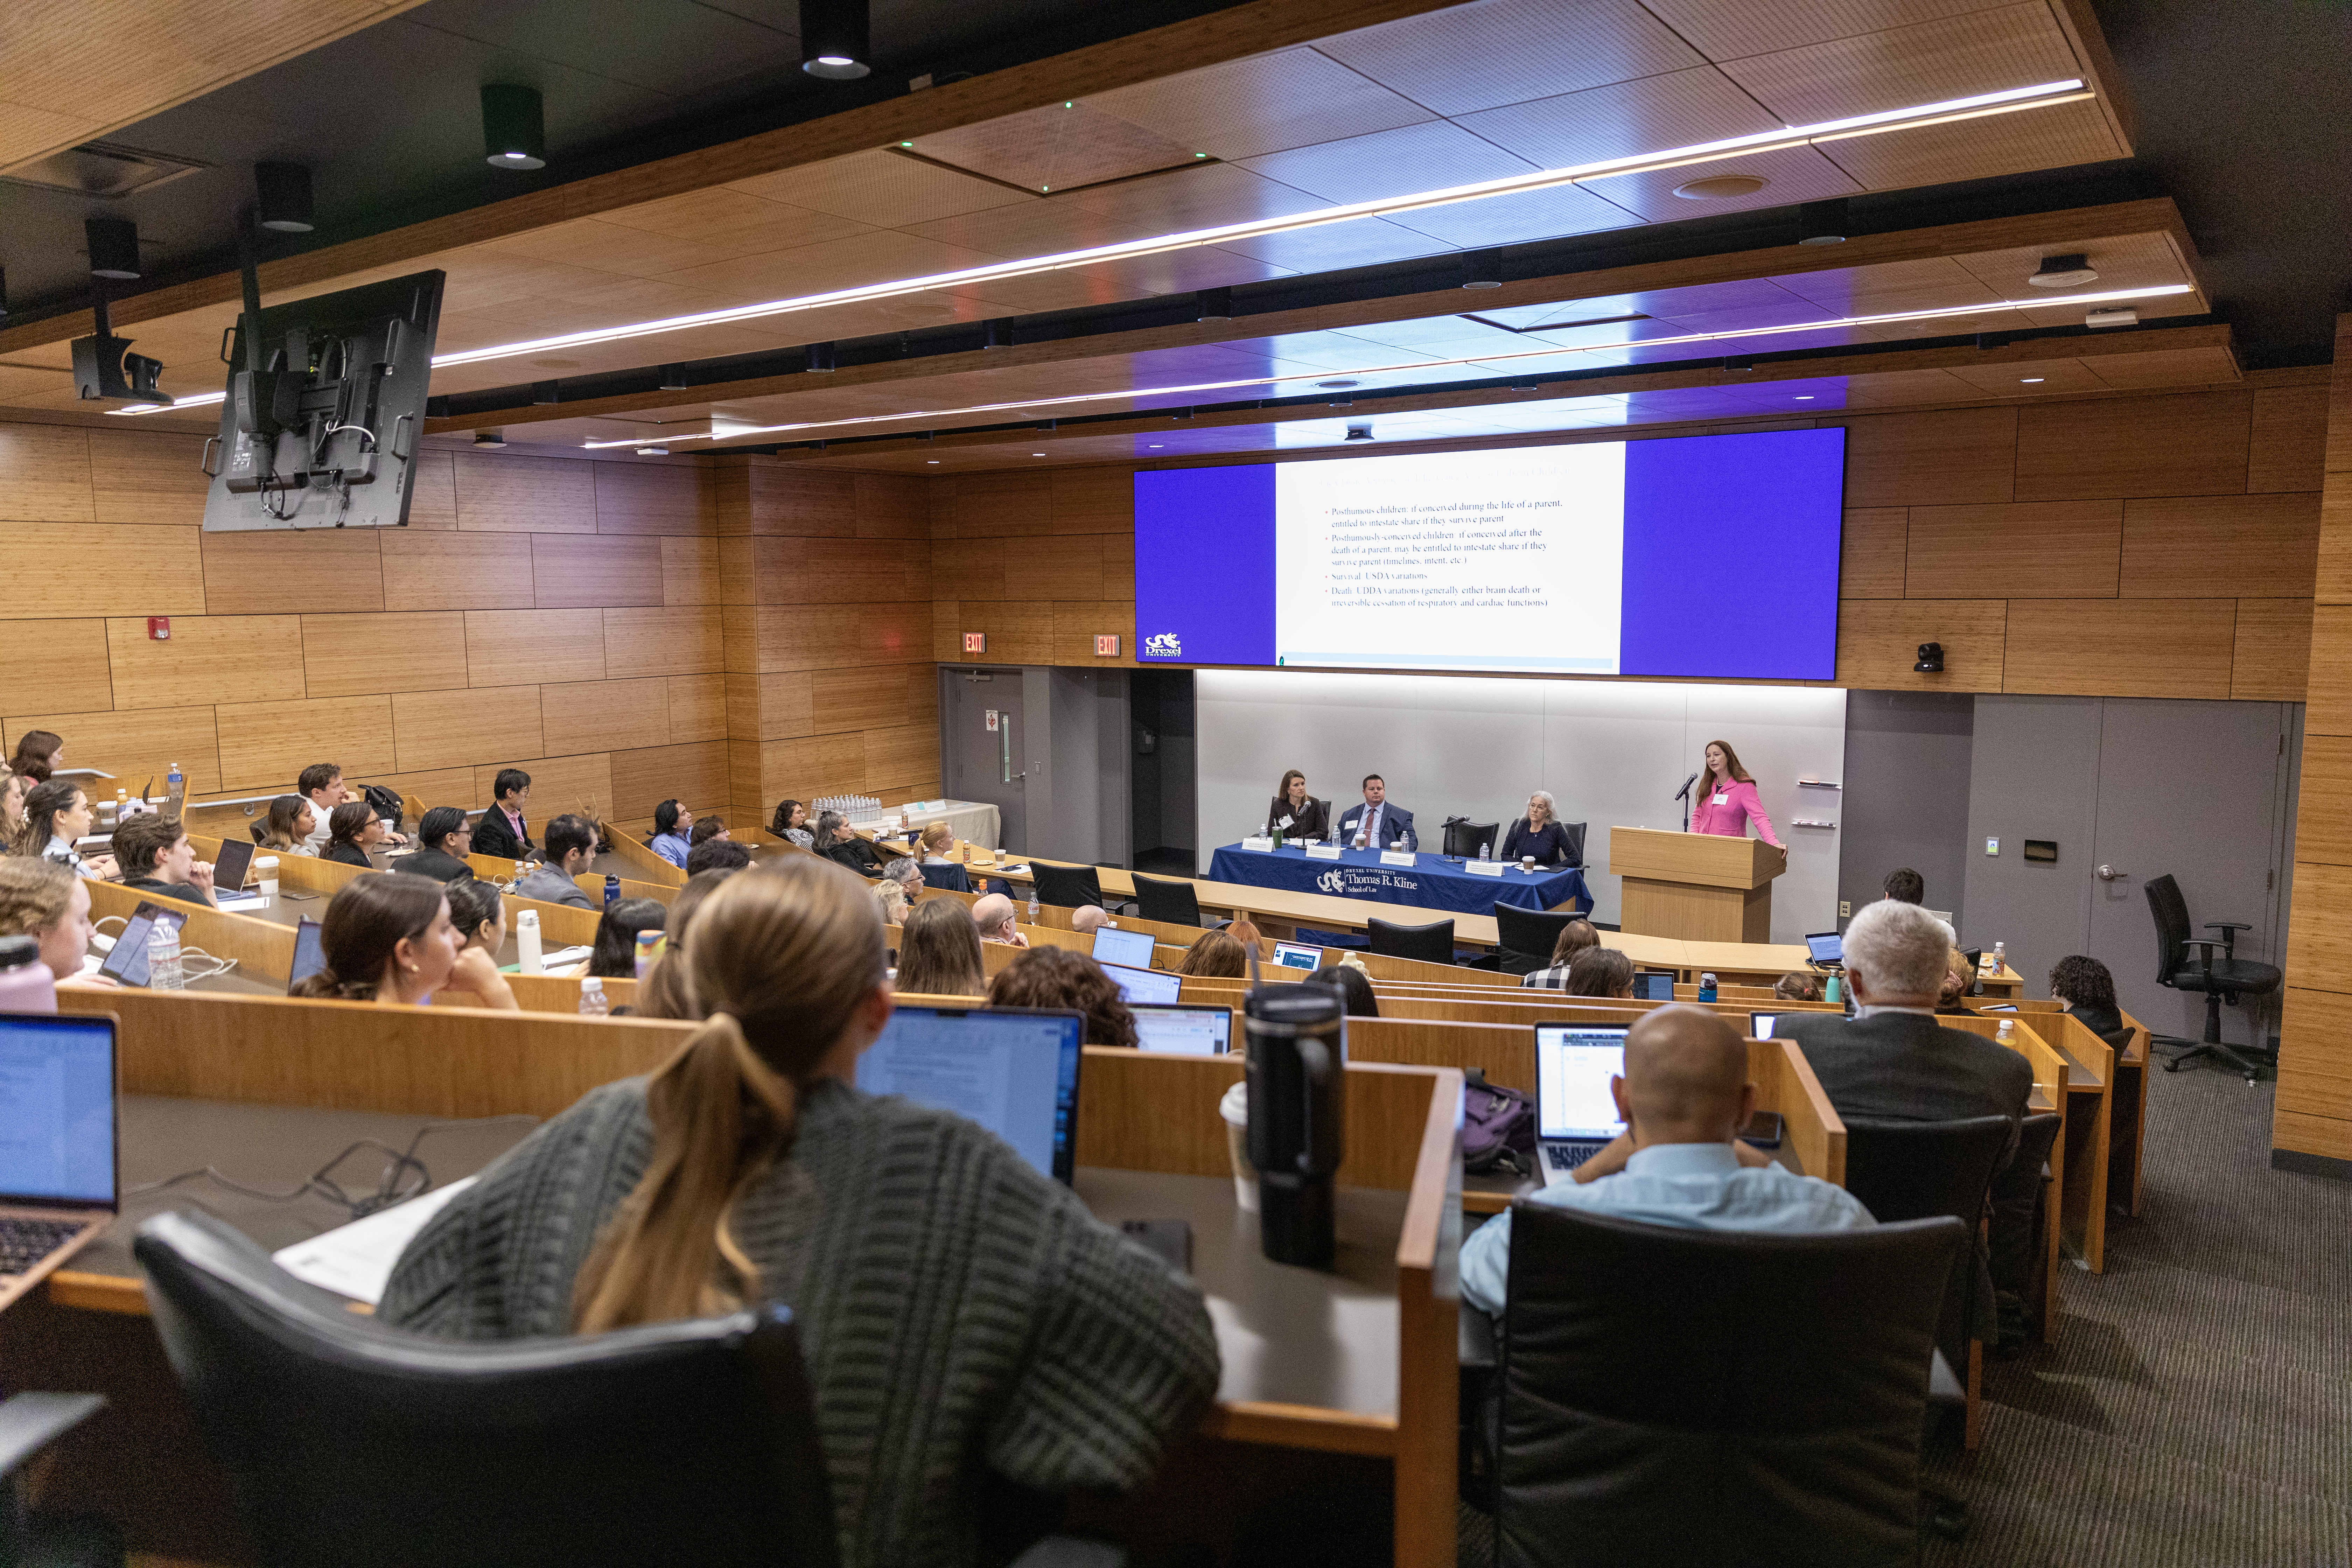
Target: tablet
[(126, 964), (1655, 985), (308, 956), (229, 868)]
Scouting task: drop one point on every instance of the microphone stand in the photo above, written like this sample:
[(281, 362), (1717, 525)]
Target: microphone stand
[(1682, 794)]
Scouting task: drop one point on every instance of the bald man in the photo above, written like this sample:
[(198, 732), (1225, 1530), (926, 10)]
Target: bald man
[(1088, 919), (1685, 1095), (994, 915)]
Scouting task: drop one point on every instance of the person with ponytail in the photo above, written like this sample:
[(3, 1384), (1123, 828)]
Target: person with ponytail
[(960, 1314), (390, 940)]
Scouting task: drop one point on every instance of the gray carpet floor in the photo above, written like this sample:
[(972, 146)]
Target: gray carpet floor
[(2197, 1408)]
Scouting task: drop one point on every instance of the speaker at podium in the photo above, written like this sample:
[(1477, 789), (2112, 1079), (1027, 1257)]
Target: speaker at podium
[(1698, 887)]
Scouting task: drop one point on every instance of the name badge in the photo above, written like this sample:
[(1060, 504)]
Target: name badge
[(1721, 798)]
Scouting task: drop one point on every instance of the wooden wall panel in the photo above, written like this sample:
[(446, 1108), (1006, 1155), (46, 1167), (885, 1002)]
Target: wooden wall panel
[(433, 494), (607, 715), (2065, 550), (44, 475), (2120, 647), (840, 697), (1061, 567), (568, 573), (1947, 458), (798, 502), (684, 641), (1878, 641), (2329, 697), (901, 756), (506, 492), (2221, 547), (2272, 652), (2287, 446), (558, 784), (689, 571), (116, 569), (698, 708), (133, 746), (2186, 444), (147, 476), (58, 664), (264, 746), (804, 769), (455, 572), (443, 729), (1076, 624), (774, 707), (317, 569), (696, 775), (1093, 500), (348, 656), (507, 647), (1871, 553), (652, 498), (892, 506), (208, 659)]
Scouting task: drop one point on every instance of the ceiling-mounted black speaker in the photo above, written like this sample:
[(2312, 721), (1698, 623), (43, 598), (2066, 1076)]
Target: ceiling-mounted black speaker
[(113, 244), (284, 190), (514, 127), (837, 38), (1823, 223)]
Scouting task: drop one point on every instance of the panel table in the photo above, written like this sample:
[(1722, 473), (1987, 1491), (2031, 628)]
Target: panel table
[(1431, 882)]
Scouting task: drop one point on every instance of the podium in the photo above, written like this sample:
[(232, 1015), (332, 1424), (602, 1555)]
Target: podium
[(1699, 887)]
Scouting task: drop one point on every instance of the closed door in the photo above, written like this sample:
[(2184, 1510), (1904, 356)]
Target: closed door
[(981, 732), (2198, 790)]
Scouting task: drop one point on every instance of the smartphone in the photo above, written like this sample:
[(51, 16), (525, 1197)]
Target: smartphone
[(1763, 1129), (1170, 1239)]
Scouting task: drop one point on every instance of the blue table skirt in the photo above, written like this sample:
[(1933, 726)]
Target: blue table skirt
[(1433, 882)]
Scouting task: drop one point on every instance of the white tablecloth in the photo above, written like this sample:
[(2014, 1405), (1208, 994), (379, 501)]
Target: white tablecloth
[(972, 821)]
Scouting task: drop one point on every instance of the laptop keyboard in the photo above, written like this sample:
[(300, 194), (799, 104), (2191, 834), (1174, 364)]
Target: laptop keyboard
[(1569, 1156), (24, 1242)]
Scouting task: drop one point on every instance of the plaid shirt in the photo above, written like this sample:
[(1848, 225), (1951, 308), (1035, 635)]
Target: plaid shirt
[(1552, 979)]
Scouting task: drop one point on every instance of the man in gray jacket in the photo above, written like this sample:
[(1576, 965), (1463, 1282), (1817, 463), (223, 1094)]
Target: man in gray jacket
[(571, 846)]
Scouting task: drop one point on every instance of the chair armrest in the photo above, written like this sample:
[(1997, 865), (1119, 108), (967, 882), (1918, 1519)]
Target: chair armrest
[(2226, 925), (31, 1422), (1475, 1339)]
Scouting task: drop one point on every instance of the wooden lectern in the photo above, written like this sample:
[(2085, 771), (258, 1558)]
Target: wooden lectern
[(1700, 887)]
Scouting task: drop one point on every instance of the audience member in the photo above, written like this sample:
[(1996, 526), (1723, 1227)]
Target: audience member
[(1797, 985), (1601, 972), (287, 829), (51, 905), (1245, 931), (1023, 1333), (1216, 955), (14, 788), (938, 844), (665, 992), (838, 842), (321, 785), (1684, 1095), (477, 914), (1059, 978), (672, 823), (502, 831), (939, 952), (571, 846), (1539, 833), (442, 856), (57, 816), (1088, 918), (353, 830), (615, 954), (156, 857), (993, 916), (1574, 938), (1354, 986), (39, 752), (1905, 887), (2084, 988), (717, 855), (790, 824), (390, 940), (900, 887), (706, 829), (1959, 979)]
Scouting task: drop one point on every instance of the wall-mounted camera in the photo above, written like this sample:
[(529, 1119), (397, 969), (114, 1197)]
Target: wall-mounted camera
[(1931, 659)]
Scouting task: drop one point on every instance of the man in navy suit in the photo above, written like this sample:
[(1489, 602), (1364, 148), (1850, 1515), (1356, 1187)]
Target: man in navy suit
[(1377, 824)]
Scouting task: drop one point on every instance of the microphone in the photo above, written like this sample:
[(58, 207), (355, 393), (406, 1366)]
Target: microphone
[(1684, 793)]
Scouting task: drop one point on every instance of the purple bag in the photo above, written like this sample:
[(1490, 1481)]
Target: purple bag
[(1499, 1128)]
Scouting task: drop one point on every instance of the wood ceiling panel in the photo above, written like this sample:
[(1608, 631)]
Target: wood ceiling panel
[(1383, 164), (1056, 147), (1509, 220), (834, 264), (881, 188), (1623, 120), (1926, 62), (1724, 32), (2054, 137), (2051, 376), (1792, 174), (2167, 367), (1934, 283), (1895, 389), (1468, 57), (1203, 197), (1358, 242), (722, 214), (1291, 98)]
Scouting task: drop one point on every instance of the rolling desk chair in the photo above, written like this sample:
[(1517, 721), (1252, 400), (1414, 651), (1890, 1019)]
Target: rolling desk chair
[(1463, 839), (36, 1538), (349, 1442), (2232, 978), (1068, 886), (1432, 943), (1527, 936), (1168, 902)]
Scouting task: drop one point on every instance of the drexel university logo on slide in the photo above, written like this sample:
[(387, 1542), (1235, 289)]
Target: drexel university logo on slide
[(1163, 644), (1332, 881)]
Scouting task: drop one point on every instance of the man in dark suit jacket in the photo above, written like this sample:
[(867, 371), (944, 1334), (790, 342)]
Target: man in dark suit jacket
[(1379, 822), (502, 831)]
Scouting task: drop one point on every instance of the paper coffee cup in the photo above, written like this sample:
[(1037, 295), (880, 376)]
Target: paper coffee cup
[(1234, 1109), (265, 870), (1527, 862)]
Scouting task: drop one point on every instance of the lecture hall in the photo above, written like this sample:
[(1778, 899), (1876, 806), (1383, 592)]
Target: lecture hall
[(1473, 886)]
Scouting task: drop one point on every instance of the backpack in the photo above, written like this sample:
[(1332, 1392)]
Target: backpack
[(1499, 1128), (386, 802)]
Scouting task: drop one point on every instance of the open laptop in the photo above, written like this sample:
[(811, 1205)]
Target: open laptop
[(1654, 985), (1014, 1070), (1576, 1116), (126, 962), (1131, 948), (1826, 948), (1149, 987), (58, 1142), (1196, 1031), (1298, 955), (309, 957), (1761, 1025)]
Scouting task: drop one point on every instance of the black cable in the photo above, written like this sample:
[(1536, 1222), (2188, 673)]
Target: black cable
[(390, 1187)]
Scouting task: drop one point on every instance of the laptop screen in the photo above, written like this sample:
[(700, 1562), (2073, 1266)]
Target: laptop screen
[(1151, 987), (1014, 1072), (229, 869), (1132, 948), (1655, 985), (56, 1109), (1186, 1031), (1574, 1063), (1826, 947), (128, 961), (1298, 955), (1761, 1025), (308, 956)]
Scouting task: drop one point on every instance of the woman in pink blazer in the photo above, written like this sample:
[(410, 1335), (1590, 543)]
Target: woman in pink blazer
[(1726, 800)]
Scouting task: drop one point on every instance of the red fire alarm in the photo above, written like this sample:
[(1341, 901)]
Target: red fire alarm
[(160, 628), (1107, 647), (975, 642)]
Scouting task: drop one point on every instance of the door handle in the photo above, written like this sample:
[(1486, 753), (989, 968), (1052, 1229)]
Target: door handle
[(2109, 874)]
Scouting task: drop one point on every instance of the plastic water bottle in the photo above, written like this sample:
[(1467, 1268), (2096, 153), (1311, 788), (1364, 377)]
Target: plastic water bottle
[(175, 790), (649, 945), (163, 972), (592, 998), (1033, 903), (26, 984), (2007, 1033), (1706, 987), (611, 889), (527, 942), (1486, 851), (1999, 960)]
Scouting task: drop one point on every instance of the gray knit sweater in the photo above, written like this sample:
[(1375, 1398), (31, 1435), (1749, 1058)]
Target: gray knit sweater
[(959, 1312)]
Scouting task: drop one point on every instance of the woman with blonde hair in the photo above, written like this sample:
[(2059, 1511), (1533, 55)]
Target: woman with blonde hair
[(50, 904), (14, 788), (960, 1312)]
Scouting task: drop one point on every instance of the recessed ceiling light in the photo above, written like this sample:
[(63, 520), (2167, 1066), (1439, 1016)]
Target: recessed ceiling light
[(2011, 100), (1157, 444), (906, 143), (1721, 187), (1036, 454), (1804, 397), (514, 127), (2029, 380), (934, 462), (2064, 272), (1336, 385), (653, 451), (836, 36)]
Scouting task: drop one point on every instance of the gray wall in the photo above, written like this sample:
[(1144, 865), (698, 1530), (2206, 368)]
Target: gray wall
[(1078, 802), (1907, 793), (2034, 774)]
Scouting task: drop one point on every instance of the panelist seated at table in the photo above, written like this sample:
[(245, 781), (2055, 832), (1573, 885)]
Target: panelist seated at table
[(1539, 834), (1014, 1332), (156, 857), (1683, 1096), (1379, 823), (1725, 801), (1293, 812)]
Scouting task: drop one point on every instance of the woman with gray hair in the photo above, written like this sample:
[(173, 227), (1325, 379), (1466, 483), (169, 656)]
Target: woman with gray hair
[(901, 884), (835, 840), (1541, 833)]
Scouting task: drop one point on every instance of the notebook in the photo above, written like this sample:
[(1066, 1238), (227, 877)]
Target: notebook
[(1576, 1116), (1185, 1031), (1012, 1069), (57, 1139)]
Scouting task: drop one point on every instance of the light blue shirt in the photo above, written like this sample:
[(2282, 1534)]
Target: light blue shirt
[(672, 848), (1702, 1186)]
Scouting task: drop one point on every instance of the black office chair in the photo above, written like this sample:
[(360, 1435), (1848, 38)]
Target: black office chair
[(1671, 1395), (1463, 838), (1068, 886), (41, 1538), (2018, 1216), (349, 1442), (1167, 901), (1917, 1169), (1432, 943), (1574, 833), (1527, 937), (2231, 978), (954, 878)]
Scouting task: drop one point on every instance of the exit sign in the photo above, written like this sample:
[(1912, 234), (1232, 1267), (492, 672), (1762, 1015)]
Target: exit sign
[(975, 642), (1107, 647)]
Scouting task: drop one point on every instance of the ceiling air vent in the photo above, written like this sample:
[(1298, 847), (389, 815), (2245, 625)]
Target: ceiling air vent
[(102, 169)]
